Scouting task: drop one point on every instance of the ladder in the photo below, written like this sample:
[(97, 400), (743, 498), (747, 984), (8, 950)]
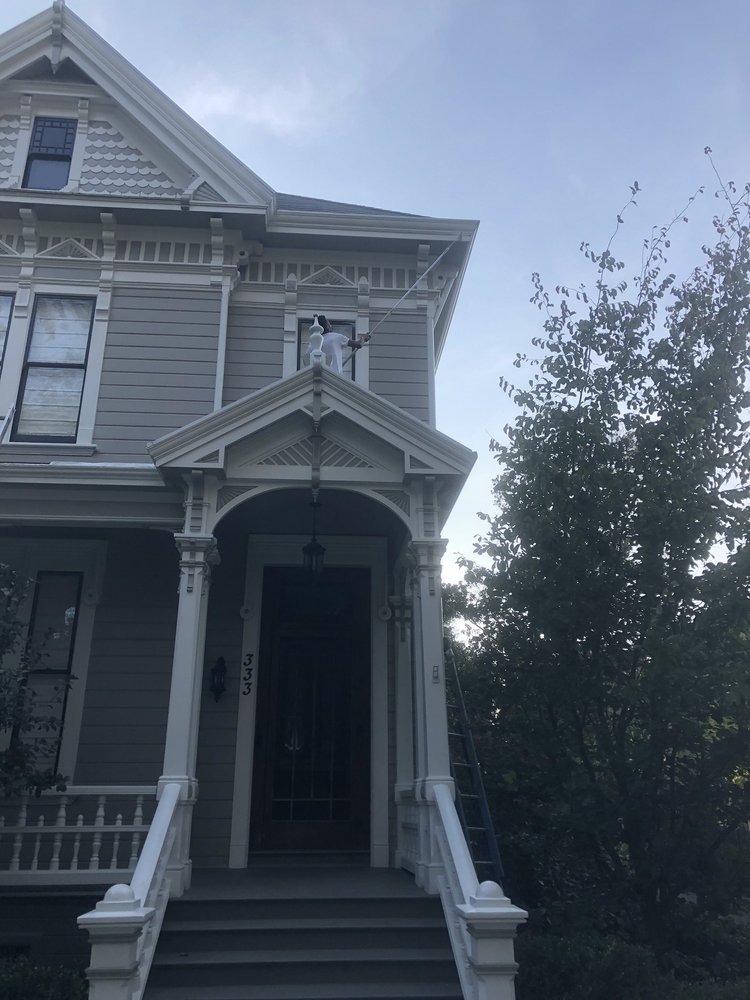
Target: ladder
[(471, 800)]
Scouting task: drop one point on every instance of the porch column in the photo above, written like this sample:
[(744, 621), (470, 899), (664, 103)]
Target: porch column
[(431, 717), (197, 554)]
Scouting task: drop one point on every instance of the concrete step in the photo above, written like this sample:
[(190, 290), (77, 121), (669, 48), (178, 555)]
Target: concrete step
[(312, 991), (188, 936), (304, 966), (280, 908), (304, 935)]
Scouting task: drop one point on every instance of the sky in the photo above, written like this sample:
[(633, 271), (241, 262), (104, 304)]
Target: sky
[(532, 116)]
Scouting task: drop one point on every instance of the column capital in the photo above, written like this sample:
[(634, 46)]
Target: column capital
[(427, 555), (198, 554)]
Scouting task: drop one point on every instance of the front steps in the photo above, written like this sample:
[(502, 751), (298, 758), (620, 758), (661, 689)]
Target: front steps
[(304, 933)]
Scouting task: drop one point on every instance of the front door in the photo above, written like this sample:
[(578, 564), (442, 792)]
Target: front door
[(311, 786)]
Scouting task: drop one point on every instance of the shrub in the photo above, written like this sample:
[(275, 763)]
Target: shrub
[(20, 979)]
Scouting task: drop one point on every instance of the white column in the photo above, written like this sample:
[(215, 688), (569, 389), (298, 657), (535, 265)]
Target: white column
[(197, 554), (433, 760)]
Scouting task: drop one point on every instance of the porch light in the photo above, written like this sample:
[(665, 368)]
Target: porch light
[(218, 684), (313, 552)]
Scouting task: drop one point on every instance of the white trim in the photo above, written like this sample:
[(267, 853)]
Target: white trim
[(274, 550), (30, 555)]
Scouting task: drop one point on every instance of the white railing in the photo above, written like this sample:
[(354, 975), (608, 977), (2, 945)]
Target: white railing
[(87, 834), (481, 920), (124, 927)]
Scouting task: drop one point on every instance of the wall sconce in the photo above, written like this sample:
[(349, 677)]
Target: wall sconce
[(218, 684)]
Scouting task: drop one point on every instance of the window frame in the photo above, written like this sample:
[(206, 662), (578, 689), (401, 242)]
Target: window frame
[(5, 335), (66, 675), (32, 156), (27, 365), (29, 556)]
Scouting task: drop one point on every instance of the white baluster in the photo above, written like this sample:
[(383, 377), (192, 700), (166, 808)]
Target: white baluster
[(135, 840), (97, 844), (37, 843), (76, 845), (54, 864), (116, 841), (15, 861)]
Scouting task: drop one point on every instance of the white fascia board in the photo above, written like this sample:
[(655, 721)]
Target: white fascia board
[(443, 325), (81, 474), (419, 228)]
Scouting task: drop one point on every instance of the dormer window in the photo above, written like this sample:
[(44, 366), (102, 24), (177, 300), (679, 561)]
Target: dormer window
[(50, 152)]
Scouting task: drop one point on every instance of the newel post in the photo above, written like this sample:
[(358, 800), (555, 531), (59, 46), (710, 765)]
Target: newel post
[(114, 927)]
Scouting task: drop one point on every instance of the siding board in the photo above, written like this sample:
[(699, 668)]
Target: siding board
[(157, 337)]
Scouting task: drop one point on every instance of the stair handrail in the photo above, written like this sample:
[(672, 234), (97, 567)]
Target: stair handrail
[(481, 920), (473, 760), (124, 926)]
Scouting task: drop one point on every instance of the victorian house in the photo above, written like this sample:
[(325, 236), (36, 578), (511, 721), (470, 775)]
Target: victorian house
[(233, 551)]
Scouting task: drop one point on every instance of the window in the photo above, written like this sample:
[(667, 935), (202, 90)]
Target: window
[(51, 149), (338, 326), (52, 630), (49, 401), (6, 308)]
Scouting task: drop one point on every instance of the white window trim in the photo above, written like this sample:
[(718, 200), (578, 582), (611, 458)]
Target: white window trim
[(17, 340), (39, 106), (30, 556), (350, 551)]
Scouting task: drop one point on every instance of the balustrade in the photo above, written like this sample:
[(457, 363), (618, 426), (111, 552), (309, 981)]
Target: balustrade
[(86, 834)]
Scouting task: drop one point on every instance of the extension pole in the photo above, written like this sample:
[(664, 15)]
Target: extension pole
[(406, 294)]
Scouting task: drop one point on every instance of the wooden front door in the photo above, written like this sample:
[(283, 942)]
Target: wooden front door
[(311, 786)]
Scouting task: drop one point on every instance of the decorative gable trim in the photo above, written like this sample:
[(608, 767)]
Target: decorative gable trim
[(331, 454), (69, 248), (328, 276), (207, 193), (6, 251)]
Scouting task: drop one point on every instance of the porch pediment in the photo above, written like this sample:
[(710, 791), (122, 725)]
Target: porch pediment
[(269, 435)]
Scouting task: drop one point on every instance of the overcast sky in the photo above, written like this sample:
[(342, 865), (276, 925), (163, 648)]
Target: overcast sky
[(533, 116)]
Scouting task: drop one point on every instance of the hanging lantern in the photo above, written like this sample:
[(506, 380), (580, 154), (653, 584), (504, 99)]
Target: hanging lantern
[(313, 553)]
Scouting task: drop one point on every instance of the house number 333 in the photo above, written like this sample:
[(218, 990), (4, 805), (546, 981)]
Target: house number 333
[(247, 674)]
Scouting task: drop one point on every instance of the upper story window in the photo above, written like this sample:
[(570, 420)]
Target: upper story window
[(344, 327), (50, 152), (6, 308), (49, 400)]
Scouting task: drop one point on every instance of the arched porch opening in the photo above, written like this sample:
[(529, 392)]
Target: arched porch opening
[(299, 753)]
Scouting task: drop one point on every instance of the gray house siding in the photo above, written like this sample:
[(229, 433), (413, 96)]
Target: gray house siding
[(159, 367), (127, 691), (255, 344), (398, 363)]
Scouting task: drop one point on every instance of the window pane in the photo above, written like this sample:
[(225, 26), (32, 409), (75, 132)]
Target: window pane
[(52, 635), (47, 174), (54, 136), (54, 619), (51, 401), (338, 326), (61, 331)]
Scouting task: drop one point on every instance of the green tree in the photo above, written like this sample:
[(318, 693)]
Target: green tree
[(610, 670), (27, 735)]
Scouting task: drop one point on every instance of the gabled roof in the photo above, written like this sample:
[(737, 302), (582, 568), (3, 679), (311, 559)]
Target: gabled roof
[(58, 35), (266, 435)]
